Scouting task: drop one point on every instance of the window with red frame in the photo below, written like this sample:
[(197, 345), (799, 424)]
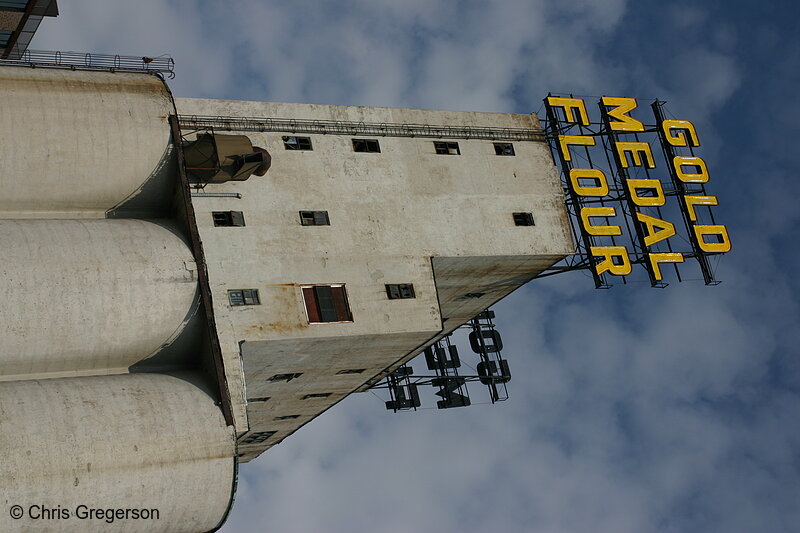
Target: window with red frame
[(327, 303)]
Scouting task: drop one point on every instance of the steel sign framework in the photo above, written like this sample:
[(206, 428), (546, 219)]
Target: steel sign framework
[(638, 178)]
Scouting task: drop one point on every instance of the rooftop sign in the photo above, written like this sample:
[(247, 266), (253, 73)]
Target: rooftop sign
[(635, 191)]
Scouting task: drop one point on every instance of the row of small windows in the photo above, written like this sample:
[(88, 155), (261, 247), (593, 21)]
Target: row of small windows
[(289, 376), (236, 218), (321, 218), (324, 303), (292, 142), (286, 377)]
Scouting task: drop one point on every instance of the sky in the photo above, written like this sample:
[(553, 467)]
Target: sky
[(632, 409)]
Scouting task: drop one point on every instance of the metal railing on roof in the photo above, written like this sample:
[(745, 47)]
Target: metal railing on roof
[(340, 127), (88, 61)]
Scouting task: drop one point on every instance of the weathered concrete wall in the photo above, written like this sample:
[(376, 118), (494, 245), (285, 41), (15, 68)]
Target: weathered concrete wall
[(91, 296), (319, 360), (404, 215), (144, 441), (74, 144), (9, 20)]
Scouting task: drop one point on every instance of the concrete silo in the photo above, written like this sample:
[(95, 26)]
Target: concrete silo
[(108, 400)]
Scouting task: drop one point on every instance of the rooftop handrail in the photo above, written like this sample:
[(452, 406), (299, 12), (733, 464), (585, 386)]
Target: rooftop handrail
[(162, 64), (341, 127)]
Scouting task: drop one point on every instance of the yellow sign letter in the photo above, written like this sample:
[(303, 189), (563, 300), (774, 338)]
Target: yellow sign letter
[(655, 259), (565, 141), (621, 108), (685, 161), (634, 185), (724, 245), (588, 212), (692, 201), (608, 253), (655, 235), (673, 131), (636, 149), (568, 104), (577, 174)]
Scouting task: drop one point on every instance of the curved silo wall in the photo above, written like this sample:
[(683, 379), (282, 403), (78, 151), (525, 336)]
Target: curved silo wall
[(79, 141), (88, 297), (136, 441)]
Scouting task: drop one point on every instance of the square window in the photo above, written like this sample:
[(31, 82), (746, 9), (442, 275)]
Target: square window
[(228, 218), (297, 143), (314, 218), (523, 219), (351, 371), (317, 395), (239, 297), (400, 291), (504, 149), (366, 145), (446, 148), (258, 437), (285, 377), (327, 303)]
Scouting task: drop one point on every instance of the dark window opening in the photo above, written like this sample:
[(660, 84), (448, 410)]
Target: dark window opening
[(255, 157), (285, 377), (400, 291), (258, 437), (317, 395), (474, 295), (314, 218), (259, 399), (287, 417), (446, 148), (228, 218), (351, 371), (297, 143), (327, 303), (366, 145), (244, 297), (523, 219), (504, 149)]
